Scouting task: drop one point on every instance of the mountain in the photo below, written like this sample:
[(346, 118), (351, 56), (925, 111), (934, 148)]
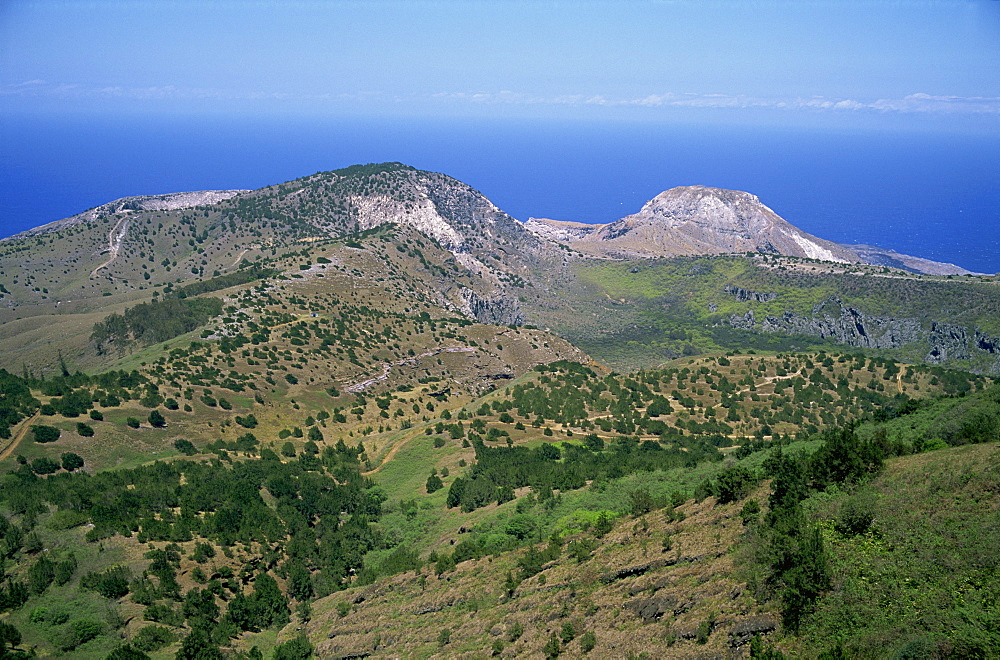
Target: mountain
[(693, 220), (461, 254), (366, 413)]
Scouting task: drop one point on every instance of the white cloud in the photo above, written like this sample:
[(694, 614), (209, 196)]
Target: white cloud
[(917, 103)]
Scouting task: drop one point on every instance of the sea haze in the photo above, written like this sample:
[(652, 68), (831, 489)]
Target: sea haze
[(918, 192)]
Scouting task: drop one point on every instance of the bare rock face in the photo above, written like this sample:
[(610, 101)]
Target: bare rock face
[(846, 325), (498, 310), (558, 230), (695, 220)]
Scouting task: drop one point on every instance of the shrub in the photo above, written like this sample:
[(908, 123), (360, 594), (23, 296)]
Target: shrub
[(588, 641), (185, 447), (112, 583), (733, 484), (44, 465), (84, 430), (156, 419), (750, 512), (552, 648), (71, 461), (434, 484), (44, 433), (294, 649), (132, 422), (79, 632), (857, 514), (152, 638)]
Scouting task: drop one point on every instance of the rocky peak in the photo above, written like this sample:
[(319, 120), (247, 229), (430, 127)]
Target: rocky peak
[(683, 204)]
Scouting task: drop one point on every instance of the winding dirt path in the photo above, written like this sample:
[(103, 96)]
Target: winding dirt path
[(237, 259), (20, 436), (388, 457), (387, 367), (115, 238)]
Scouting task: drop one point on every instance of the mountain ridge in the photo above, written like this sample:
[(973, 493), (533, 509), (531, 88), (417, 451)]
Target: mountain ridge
[(485, 264)]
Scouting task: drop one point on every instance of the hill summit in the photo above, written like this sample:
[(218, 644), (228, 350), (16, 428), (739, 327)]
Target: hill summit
[(691, 220)]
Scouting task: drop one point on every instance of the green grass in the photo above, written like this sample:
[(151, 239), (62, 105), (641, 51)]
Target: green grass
[(69, 599), (925, 576)]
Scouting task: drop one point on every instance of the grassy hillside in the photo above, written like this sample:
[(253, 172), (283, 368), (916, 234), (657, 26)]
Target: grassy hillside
[(641, 313)]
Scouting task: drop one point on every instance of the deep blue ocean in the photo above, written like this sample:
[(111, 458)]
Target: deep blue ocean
[(934, 195)]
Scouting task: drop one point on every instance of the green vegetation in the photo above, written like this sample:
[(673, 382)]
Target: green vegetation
[(155, 321), (328, 459)]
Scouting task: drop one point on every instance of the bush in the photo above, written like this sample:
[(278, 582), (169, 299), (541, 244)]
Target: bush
[(588, 642), (734, 483), (185, 447), (112, 583), (153, 638), (79, 632), (44, 465), (71, 461), (552, 648), (857, 514), (84, 430), (44, 433), (156, 419), (126, 652), (294, 649), (132, 422), (750, 512), (434, 484)]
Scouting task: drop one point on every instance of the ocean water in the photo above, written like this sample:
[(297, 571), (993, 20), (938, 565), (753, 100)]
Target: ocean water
[(934, 195)]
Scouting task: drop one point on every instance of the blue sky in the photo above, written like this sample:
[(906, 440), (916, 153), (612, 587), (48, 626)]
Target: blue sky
[(930, 62)]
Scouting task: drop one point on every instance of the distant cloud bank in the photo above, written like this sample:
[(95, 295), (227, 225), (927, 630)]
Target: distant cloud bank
[(917, 103), (912, 103)]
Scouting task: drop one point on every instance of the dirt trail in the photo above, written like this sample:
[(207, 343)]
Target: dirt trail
[(237, 259), (20, 436), (388, 457), (387, 367), (115, 238)]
